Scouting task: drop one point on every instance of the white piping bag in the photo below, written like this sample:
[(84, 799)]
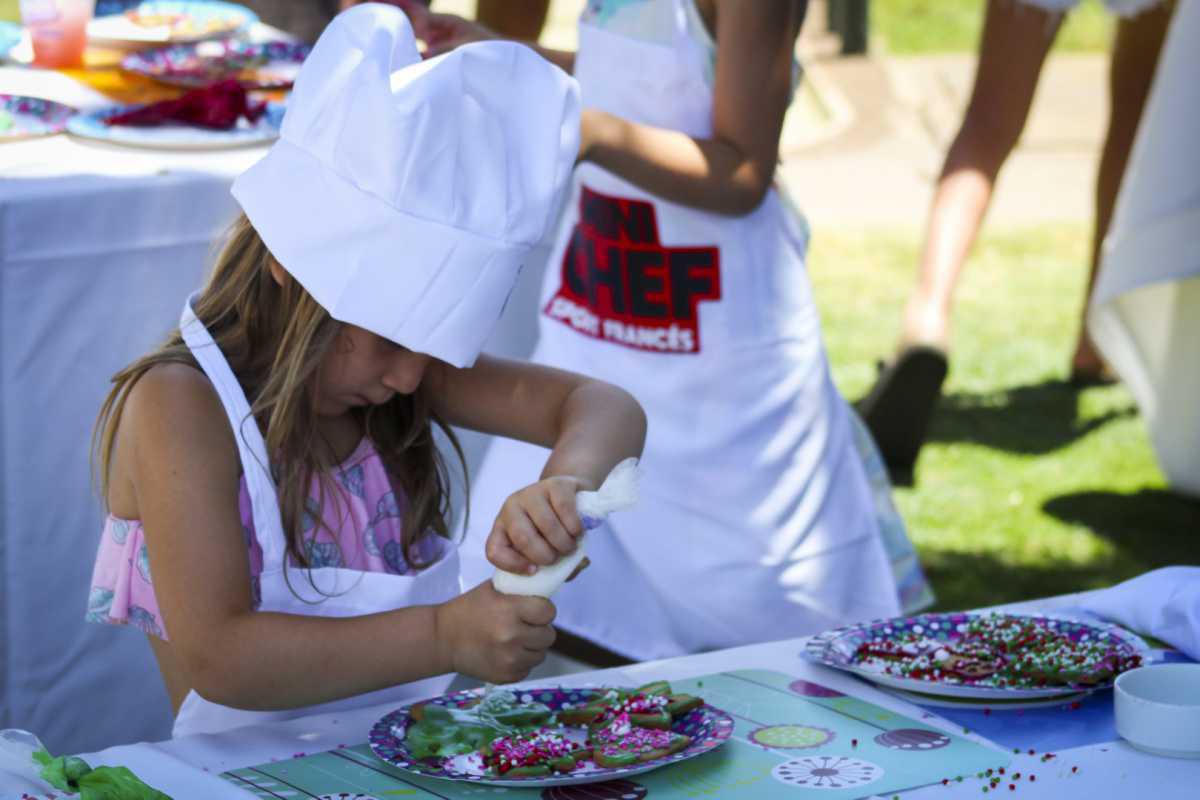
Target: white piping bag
[(617, 493)]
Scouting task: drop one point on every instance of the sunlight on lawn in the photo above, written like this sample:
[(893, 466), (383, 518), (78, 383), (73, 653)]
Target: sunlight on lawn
[(1028, 486)]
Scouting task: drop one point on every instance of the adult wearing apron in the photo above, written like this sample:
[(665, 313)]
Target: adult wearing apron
[(758, 519)]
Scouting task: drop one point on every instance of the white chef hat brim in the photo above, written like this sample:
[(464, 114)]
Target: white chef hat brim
[(447, 309)]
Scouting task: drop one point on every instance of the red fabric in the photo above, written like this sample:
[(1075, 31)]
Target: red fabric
[(217, 106)]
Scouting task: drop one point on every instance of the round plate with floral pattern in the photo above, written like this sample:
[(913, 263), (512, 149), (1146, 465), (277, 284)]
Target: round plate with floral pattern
[(22, 117), (256, 65), (170, 22), (707, 726), (177, 136), (983, 655)]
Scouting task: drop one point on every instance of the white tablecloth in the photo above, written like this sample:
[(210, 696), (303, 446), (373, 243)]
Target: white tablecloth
[(1145, 312), (98, 247)]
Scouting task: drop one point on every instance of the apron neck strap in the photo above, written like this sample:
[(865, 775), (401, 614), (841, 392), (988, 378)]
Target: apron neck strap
[(252, 449)]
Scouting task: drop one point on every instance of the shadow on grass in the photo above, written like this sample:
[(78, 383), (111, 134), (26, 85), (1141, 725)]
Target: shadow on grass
[(1035, 419), (1150, 528), (1135, 521), (966, 580)]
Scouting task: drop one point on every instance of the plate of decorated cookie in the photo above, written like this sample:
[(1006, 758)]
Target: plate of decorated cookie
[(549, 736), (161, 22), (983, 656)]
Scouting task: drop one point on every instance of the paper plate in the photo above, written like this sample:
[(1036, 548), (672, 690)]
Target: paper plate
[(163, 22), (22, 117), (267, 65), (929, 633), (709, 728), (176, 136)]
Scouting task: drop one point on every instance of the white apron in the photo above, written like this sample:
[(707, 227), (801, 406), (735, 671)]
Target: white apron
[(331, 591), (756, 520)]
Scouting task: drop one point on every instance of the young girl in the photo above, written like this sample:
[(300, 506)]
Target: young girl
[(277, 504), (679, 273)]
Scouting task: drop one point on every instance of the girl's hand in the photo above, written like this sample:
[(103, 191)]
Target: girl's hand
[(537, 525), (494, 637), (442, 32)]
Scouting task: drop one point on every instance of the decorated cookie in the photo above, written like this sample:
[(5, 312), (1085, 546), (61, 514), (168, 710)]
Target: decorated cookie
[(541, 752), (621, 743)]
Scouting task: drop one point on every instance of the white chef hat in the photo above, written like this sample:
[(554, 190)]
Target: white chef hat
[(404, 194)]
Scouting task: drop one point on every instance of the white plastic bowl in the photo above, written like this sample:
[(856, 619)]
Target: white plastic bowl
[(1158, 709)]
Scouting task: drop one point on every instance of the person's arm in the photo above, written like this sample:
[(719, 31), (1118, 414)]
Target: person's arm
[(588, 425), (732, 171), (185, 474), (444, 32)]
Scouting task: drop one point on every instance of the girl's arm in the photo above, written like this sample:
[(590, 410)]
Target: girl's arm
[(185, 473), (588, 425), (730, 172)]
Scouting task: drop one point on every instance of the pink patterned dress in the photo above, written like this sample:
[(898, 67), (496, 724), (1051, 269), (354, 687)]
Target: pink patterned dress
[(365, 511)]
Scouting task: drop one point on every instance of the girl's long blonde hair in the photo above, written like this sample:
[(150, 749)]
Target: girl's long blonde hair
[(274, 338)]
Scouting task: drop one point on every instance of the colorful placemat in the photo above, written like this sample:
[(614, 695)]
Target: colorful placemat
[(792, 738)]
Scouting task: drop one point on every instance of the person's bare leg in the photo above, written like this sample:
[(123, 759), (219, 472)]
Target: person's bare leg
[(1136, 47), (1014, 44), (514, 19)]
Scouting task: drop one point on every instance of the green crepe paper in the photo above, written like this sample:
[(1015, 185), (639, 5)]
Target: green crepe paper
[(72, 774)]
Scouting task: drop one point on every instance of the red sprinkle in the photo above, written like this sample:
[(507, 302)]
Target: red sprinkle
[(987, 711), (1074, 769), (1032, 778), (1076, 706), (1012, 787), (945, 781), (1031, 751), (1002, 770), (854, 742)]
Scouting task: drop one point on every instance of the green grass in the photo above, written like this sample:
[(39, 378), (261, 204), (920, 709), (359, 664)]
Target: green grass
[(949, 26), (1027, 487)]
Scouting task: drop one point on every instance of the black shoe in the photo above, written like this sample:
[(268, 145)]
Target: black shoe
[(898, 408)]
